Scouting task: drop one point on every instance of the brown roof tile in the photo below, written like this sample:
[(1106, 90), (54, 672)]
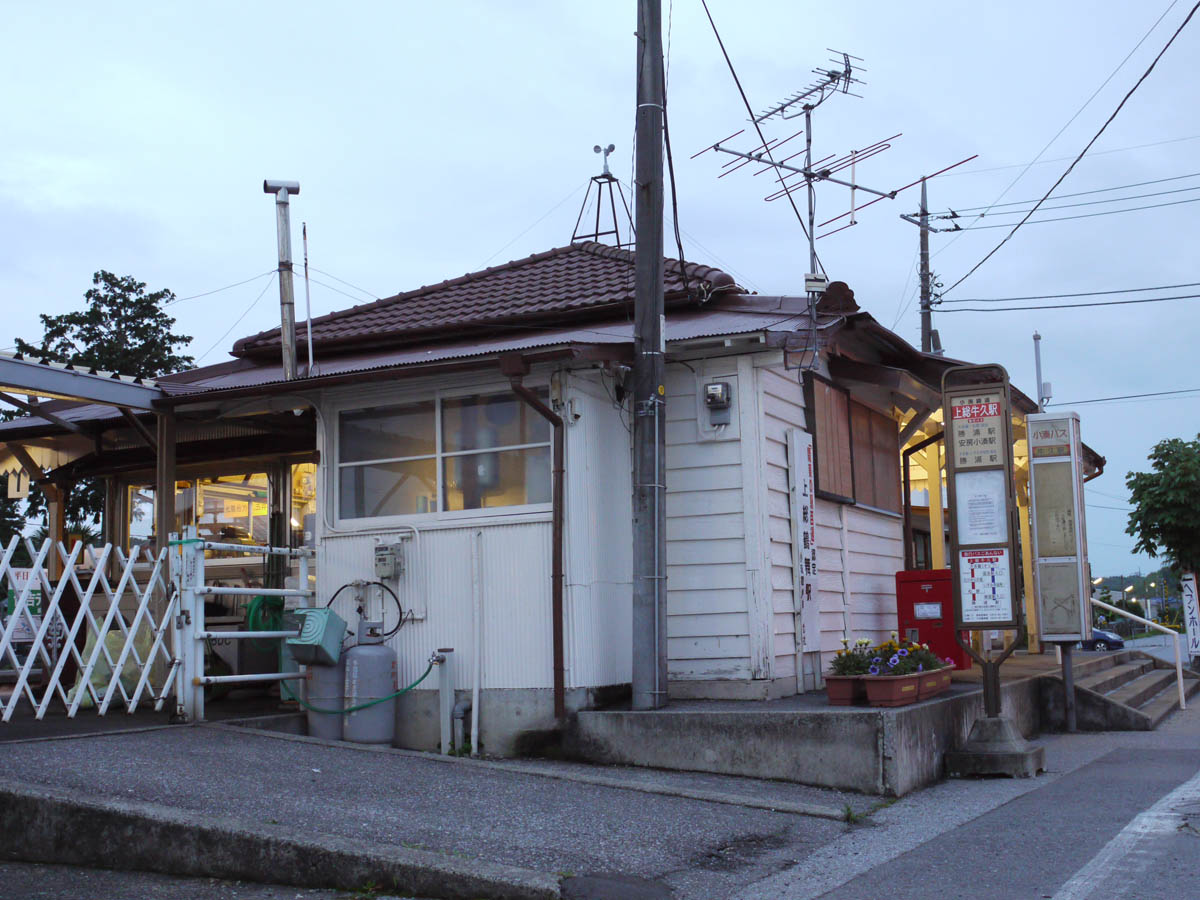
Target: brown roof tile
[(567, 283)]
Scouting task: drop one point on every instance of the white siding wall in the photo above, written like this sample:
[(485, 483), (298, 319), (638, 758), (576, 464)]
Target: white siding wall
[(782, 409), (860, 551), (599, 594), (708, 625)]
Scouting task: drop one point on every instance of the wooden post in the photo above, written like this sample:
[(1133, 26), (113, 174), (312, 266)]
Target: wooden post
[(932, 462), (1031, 609), (164, 487)]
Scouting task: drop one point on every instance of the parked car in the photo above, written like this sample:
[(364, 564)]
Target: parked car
[(1103, 640)]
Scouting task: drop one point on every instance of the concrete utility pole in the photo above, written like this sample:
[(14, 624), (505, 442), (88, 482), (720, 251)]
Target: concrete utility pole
[(649, 383), (926, 293), (287, 300)]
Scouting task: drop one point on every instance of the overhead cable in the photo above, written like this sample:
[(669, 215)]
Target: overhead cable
[(1161, 287), (955, 214), (1127, 397), (754, 119), (227, 287), (996, 309), (1082, 152), (238, 320), (1027, 221)]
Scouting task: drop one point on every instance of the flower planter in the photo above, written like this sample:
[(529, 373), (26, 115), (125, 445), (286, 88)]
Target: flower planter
[(892, 690), (933, 683), (846, 690), (901, 690)]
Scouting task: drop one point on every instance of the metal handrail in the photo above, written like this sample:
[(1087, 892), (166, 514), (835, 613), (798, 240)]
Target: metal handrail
[(1156, 627)]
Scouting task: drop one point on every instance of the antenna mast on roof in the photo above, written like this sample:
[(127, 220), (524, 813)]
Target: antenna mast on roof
[(604, 181), (791, 177)]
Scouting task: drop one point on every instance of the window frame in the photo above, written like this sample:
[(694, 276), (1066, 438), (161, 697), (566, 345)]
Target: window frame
[(810, 420), (439, 456)]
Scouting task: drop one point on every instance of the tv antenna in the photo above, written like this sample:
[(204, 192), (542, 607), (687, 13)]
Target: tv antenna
[(806, 174), (606, 180)]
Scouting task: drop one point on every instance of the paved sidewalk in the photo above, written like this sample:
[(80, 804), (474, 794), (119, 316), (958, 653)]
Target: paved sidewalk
[(536, 822)]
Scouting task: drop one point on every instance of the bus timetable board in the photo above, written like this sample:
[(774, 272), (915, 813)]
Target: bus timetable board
[(976, 411), (1059, 532)]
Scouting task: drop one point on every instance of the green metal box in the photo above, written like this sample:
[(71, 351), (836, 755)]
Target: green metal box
[(321, 635)]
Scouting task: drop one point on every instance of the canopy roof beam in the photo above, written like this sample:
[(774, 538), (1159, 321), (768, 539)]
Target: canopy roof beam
[(47, 379)]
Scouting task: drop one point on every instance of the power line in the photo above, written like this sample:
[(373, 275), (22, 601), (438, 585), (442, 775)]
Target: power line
[(1082, 152), (953, 214), (1110, 212), (1127, 397), (540, 219), (370, 294), (1102, 506), (950, 213), (1095, 490), (1057, 159), (959, 309), (1161, 287), (1060, 131), (754, 120), (227, 287), (237, 321)]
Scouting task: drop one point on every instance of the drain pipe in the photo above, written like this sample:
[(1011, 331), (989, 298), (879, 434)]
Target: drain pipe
[(556, 565)]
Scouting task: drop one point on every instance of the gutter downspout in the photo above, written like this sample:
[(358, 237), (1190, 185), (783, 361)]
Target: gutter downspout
[(556, 565)]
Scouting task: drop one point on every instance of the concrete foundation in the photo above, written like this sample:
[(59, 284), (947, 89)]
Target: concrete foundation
[(762, 689), (890, 752), (995, 747), (512, 722)]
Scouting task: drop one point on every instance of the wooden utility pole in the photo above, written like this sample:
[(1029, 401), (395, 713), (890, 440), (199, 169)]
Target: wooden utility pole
[(926, 293), (649, 383)]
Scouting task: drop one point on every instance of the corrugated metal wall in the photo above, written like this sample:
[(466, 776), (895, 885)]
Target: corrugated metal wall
[(514, 570)]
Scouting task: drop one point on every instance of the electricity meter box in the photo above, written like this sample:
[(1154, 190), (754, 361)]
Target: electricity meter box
[(925, 610), (321, 635)]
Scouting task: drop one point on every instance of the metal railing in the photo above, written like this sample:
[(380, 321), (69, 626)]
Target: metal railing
[(187, 575), (1156, 627)]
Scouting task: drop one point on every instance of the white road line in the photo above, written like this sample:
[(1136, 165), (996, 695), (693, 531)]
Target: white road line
[(1162, 818)]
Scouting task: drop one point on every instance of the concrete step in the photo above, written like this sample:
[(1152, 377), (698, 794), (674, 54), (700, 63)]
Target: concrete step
[(1106, 680), (1167, 700), (1137, 691)]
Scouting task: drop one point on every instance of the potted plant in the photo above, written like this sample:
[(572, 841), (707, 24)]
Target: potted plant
[(843, 682), (902, 672)]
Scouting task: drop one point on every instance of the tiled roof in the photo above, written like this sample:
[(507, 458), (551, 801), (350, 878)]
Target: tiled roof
[(551, 288)]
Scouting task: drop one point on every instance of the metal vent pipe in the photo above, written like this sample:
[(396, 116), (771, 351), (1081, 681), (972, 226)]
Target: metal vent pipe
[(287, 300)]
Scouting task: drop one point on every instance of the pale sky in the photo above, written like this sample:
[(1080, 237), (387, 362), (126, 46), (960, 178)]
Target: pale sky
[(431, 139)]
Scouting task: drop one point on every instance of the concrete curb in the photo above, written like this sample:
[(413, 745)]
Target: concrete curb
[(47, 825), (646, 787)]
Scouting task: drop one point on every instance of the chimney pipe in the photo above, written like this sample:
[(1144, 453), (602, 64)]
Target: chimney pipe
[(287, 301)]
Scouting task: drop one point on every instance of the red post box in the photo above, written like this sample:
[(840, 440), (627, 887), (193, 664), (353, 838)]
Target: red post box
[(925, 610)]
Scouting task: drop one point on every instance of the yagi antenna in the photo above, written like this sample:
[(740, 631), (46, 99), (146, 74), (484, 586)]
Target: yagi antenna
[(828, 83)]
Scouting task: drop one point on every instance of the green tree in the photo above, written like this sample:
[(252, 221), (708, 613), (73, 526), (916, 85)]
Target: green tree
[(123, 329), (1166, 501)]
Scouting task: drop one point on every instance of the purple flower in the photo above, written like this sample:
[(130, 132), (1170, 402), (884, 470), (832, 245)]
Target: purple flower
[(877, 660), (950, 659), (894, 661), (902, 652), (874, 670), (920, 667)]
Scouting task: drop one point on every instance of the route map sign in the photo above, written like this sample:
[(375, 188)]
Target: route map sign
[(976, 412)]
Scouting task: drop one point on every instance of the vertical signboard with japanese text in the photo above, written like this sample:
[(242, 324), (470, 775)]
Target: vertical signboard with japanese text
[(975, 404), (807, 604), (1191, 614), (1058, 526)]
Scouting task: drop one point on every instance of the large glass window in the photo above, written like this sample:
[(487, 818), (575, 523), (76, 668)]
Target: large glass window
[(490, 450)]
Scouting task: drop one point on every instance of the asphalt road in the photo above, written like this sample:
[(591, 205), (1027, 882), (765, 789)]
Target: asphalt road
[(23, 881), (1116, 816)]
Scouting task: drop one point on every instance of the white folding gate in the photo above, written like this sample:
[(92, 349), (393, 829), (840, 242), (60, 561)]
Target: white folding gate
[(123, 622)]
